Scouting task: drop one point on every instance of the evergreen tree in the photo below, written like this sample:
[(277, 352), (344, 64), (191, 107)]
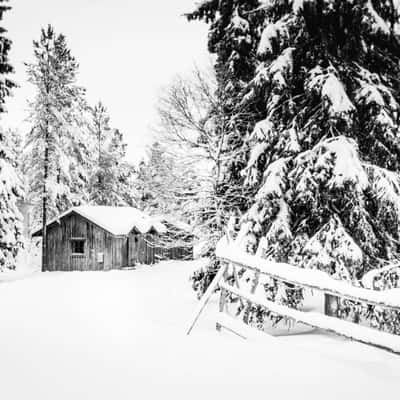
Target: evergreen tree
[(14, 143), (100, 128), (110, 182), (58, 146), (141, 187), (322, 140), (164, 185), (10, 185), (156, 181), (10, 217), (6, 84), (57, 153)]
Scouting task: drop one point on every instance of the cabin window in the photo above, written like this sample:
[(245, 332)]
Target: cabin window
[(78, 246)]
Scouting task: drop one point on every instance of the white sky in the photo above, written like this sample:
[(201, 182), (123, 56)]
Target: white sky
[(127, 50)]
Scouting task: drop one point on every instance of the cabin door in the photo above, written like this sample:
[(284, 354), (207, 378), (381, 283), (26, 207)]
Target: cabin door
[(133, 243), (77, 262), (78, 257)]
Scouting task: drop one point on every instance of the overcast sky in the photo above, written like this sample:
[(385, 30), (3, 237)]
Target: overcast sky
[(127, 50)]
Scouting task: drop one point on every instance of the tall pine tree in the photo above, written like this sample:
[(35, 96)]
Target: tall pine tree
[(10, 185), (156, 181), (57, 153), (110, 182)]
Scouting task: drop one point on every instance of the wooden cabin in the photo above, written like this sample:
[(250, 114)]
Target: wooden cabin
[(96, 238)]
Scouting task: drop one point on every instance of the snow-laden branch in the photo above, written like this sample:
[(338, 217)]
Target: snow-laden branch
[(328, 85)]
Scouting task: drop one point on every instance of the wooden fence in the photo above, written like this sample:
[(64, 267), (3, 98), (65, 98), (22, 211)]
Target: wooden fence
[(258, 269)]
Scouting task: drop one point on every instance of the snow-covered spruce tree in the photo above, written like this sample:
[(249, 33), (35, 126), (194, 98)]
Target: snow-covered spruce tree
[(6, 84), (160, 183), (151, 177), (324, 158), (10, 185), (10, 217), (14, 142), (100, 128), (57, 154), (324, 153), (110, 180)]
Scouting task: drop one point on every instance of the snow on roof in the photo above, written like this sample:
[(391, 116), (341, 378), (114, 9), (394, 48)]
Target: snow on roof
[(116, 220)]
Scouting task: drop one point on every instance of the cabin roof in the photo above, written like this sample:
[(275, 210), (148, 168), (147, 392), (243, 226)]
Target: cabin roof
[(116, 220)]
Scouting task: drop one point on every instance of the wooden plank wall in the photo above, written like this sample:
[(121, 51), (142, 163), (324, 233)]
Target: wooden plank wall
[(140, 252), (97, 241)]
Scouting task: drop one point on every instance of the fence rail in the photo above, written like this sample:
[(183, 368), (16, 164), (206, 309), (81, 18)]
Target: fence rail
[(312, 279), (380, 279), (232, 260)]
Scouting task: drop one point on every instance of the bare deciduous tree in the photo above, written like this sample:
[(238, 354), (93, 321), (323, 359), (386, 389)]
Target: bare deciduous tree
[(197, 127)]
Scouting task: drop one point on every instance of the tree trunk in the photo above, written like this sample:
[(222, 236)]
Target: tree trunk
[(44, 217)]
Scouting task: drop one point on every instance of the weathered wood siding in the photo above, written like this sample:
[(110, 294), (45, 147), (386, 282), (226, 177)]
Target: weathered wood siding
[(97, 241), (140, 252)]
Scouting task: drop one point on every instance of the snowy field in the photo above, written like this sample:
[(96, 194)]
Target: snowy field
[(121, 335)]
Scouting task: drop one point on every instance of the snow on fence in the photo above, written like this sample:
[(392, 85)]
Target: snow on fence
[(234, 259), (383, 278)]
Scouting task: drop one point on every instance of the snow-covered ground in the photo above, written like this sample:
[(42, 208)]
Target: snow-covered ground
[(121, 335)]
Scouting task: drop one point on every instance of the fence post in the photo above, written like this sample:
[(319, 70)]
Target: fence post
[(253, 289), (207, 295), (331, 305), (222, 299)]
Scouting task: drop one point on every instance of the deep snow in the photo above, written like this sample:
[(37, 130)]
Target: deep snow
[(121, 335)]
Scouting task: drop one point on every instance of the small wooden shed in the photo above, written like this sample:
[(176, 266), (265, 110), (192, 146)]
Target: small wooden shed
[(173, 242), (93, 238)]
